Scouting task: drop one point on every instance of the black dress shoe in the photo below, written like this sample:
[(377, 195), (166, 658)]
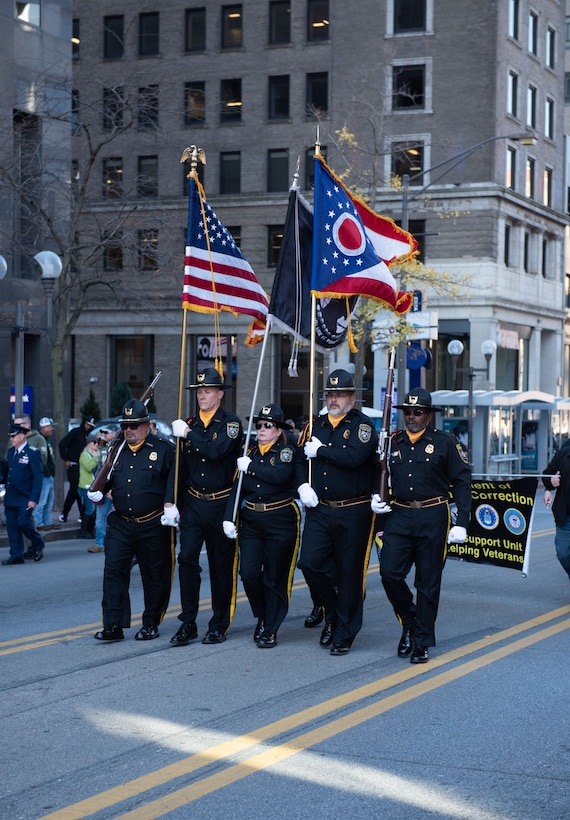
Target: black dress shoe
[(420, 654), (186, 633), (213, 637), (109, 633), (327, 635), (315, 618), (268, 640), (147, 633), (29, 554), (341, 648), (8, 562), (38, 556), (259, 629), (406, 643)]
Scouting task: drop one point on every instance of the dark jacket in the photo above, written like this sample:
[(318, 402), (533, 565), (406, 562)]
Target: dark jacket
[(561, 504), (72, 445), (25, 476)]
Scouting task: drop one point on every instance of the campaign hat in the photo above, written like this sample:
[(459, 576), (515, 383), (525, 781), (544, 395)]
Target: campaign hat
[(273, 413), (418, 398), (134, 411), (208, 378), (340, 381)]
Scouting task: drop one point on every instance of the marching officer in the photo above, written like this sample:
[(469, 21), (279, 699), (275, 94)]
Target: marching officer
[(337, 535), (142, 490), (212, 442), (23, 477), (269, 522), (426, 466)]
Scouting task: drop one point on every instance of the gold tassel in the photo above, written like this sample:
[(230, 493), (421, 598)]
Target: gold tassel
[(350, 335)]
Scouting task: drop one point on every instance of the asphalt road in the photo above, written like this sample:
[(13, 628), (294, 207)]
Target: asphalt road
[(145, 730)]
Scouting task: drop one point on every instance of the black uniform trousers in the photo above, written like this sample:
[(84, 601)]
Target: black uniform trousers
[(153, 546), (73, 493), (415, 537), (268, 545), (340, 537), (202, 522), (20, 522)]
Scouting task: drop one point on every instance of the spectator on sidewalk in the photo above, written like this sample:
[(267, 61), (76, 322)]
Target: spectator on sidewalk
[(43, 514), (102, 510), (88, 462), (70, 448)]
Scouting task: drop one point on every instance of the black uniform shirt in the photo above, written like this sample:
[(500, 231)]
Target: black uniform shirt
[(433, 466), (561, 504), (345, 466), (143, 481), (209, 454), (269, 477)]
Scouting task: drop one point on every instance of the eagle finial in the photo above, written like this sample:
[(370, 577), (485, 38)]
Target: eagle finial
[(194, 154)]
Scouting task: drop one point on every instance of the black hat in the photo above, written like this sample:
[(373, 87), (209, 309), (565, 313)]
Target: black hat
[(208, 378), (418, 397), (134, 411), (272, 412), (89, 420), (17, 428), (340, 381)]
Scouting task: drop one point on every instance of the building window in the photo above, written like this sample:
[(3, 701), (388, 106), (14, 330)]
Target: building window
[(530, 178), (531, 106), (230, 101), (408, 87), (147, 178), (195, 103), (550, 53), (29, 12), (310, 166), (235, 231), (75, 114), (148, 34), (514, 19), (547, 188), (148, 249), (112, 252), (75, 39), (195, 29), (409, 15), (526, 252), (230, 172), (113, 176), (279, 97), (317, 93), (544, 259), (568, 32), (274, 240), (567, 88), (148, 107), (512, 94), (277, 170), (318, 20), (533, 33), (113, 34), (279, 22), (507, 250), (408, 158), (232, 26), (511, 168), (549, 118), (113, 107)]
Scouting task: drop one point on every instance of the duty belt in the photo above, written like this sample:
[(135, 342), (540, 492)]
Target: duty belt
[(427, 502), (347, 502), (142, 519), (210, 496), (273, 505)]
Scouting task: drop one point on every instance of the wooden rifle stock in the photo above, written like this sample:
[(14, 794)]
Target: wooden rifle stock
[(117, 445), (384, 437)]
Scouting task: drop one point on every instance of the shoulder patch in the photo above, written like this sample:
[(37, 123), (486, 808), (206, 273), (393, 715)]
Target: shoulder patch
[(462, 453), (364, 433), (286, 454), (232, 429)]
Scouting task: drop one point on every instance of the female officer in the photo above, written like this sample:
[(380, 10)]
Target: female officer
[(268, 523)]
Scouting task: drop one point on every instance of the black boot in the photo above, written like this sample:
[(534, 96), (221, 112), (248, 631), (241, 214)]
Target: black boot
[(87, 526)]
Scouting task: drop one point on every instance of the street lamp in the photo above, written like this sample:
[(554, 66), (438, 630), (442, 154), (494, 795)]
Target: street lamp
[(455, 349), (50, 263)]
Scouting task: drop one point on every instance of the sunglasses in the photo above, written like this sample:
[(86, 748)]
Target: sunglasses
[(414, 412), (267, 424), (131, 425)]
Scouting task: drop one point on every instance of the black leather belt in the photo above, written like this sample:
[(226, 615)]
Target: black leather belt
[(347, 502), (210, 496), (272, 505), (142, 519), (419, 505)]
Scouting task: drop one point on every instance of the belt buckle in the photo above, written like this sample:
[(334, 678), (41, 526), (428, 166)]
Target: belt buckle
[(258, 506), (416, 505)]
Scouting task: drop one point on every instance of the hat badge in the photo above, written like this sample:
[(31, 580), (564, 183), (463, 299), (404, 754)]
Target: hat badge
[(413, 399), (129, 411), (201, 377), (334, 379), (265, 411)]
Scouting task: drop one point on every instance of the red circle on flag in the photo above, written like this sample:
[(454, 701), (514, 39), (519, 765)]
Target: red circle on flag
[(348, 235)]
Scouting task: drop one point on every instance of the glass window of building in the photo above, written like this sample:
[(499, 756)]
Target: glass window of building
[(274, 240), (549, 118), (148, 249), (232, 26), (547, 188), (75, 113), (278, 170), (195, 103), (567, 87), (533, 32), (113, 36), (507, 247), (29, 12), (230, 172), (147, 176), (113, 176), (408, 87), (279, 22), (531, 106), (530, 182), (512, 94), (230, 100), (514, 19), (317, 93), (235, 231), (112, 252), (408, 158), (75, 39), (132, 359), (409, 15), (511, 168), (113, 107), (279, 97), (318, 20), (149, 34), (195, 32), (148, 107), (550, 52)]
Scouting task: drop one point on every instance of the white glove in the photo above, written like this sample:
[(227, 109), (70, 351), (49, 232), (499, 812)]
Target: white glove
[(171, 517), (457, 535), (179, 428), (243, 463), (312, 446), (308, 496), (229, 529), (96, 497), (379, 507)]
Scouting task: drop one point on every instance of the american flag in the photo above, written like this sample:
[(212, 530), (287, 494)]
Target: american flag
[(345, 262), (216, 275)]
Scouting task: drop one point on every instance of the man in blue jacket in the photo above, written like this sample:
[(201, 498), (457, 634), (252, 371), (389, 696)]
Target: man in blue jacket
[(23, 487)]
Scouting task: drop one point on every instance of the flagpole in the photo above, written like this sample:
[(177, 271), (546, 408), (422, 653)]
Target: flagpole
[(312, 347)]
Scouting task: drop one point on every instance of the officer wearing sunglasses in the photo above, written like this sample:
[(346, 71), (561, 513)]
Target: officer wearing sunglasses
[(427, 466)]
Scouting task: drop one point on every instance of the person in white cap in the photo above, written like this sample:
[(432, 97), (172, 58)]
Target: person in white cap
[(43, 514)]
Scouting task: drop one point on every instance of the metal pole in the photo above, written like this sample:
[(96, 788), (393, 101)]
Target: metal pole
[(403, 346), (471, 376), (19, 362)]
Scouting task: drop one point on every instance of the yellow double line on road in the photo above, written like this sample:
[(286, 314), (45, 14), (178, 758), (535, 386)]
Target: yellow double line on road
[(259, 760)]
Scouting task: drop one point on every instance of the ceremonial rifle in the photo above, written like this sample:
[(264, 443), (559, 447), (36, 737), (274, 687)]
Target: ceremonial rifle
[(117, 445), (384, 437)]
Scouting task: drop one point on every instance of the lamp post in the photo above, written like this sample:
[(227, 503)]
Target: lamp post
[(50, 263), (455, 349)]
